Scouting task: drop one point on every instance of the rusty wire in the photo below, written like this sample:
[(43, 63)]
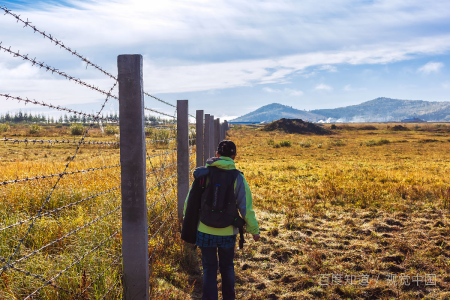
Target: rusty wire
[(57, 174), (53, 70), (54, 40), (7, 96), (34, 141)]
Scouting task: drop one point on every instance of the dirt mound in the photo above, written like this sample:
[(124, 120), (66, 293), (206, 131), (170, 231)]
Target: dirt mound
[(399, 128), (295, 126)]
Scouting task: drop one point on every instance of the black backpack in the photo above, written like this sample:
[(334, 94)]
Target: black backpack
[(213, 204), (218, 206)]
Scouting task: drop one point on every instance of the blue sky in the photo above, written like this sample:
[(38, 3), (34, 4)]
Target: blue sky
[(231, 57)]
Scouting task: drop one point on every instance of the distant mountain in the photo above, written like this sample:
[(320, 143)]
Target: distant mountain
[(276, 111), (387, 109), (377, 110)]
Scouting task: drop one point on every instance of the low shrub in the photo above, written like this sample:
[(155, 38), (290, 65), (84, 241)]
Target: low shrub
[(4, 127), (306, 144), (110, 130), (270, 142), (377, 143), (285, 144), (34, 128), (76, 129), (148, 131)]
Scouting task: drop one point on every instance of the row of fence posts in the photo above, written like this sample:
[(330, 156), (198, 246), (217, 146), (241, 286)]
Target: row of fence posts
[(209, 132)]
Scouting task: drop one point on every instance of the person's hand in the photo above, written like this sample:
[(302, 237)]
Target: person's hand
[(256, 237)]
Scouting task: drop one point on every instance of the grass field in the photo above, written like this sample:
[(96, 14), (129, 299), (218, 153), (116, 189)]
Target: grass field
[(362, 213)]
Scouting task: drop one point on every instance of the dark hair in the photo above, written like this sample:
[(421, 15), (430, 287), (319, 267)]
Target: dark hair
[(226, 148)]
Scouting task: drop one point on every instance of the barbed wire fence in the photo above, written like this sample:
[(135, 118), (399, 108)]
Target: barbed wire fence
[(88, 227)]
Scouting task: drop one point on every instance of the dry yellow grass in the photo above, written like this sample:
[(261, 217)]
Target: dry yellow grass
[(60, 237), (358, 202)]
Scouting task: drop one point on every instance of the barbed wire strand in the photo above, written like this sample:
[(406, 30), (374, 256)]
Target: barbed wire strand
[(57, 174), (54, 70), (36, 141), (165, 160), (35, 276), (57, 107), (168, 166), (154, 248), (63, 237), (61, 208), (160, 100), (112, 286), (162, 212), (162, 225), (101, 274), (73, 52), (158, 112), (71, 265), (157, 201), (54, 40), (54, 186), (155, 186)]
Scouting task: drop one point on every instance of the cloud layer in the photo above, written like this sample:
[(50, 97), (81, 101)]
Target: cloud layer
[(197, 45)]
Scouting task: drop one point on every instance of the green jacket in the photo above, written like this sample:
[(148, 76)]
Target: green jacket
[(243, 200)]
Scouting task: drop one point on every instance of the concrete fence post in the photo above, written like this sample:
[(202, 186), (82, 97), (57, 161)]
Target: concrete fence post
[(217, 132), (182, 154), (226, 127), (199, 137), (133, 178), (212, 139), (206, 139), (222, 130)]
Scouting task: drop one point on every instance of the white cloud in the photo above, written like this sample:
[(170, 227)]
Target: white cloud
[(348, 88), (289, 92), (323, 87), (197, 45), (446, 85), (328, 68), (292, 92), (269, 90), (431, 67)]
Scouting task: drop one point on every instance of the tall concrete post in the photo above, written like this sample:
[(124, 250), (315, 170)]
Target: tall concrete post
[(206, 139), (199, 137), (182, 154), (217, 132), (212, 140), (226, 127), (133, 178)]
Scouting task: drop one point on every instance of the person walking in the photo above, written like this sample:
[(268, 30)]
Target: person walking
[(221, 198)]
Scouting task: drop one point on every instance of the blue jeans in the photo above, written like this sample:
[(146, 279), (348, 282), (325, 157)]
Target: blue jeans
[(226, 265)]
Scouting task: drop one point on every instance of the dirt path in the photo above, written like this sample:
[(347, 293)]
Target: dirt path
[(342, 254)]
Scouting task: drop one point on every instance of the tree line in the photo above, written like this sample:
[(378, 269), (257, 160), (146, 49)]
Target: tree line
[(24, 117)]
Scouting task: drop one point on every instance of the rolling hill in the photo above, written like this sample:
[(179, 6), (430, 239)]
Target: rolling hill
[(276, 111), (378, 110)]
